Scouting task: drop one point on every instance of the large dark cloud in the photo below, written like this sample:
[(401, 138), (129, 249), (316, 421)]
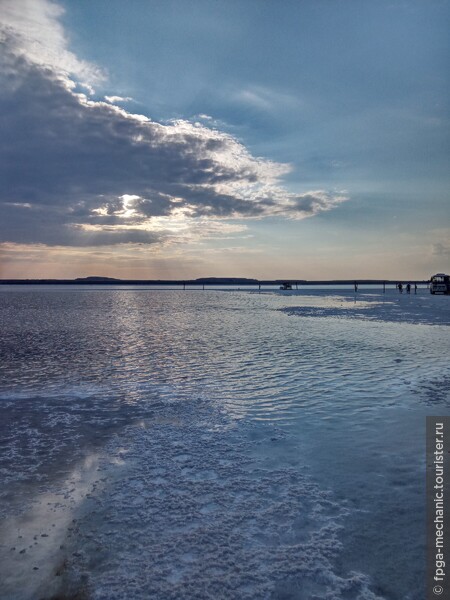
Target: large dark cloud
[(76, 171)]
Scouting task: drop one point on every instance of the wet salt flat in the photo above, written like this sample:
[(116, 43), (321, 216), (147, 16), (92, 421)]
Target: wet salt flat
[(217, 444)]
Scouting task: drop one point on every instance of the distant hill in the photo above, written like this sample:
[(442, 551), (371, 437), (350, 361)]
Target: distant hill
[(93, 278)]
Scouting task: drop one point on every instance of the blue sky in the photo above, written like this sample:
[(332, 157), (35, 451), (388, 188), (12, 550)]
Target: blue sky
[(301, 139)]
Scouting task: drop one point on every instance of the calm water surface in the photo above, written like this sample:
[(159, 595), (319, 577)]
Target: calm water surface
[(169, 444)]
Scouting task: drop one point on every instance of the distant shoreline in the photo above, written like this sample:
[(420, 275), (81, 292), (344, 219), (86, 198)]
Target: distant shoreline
[(208, 281)]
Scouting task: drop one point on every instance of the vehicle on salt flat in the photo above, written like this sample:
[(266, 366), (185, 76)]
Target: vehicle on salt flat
[(440, 284)]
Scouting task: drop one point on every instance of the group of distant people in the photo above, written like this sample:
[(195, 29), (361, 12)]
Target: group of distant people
[(399, 286)]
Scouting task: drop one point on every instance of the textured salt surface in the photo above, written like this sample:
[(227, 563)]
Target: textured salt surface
[(192, 516), (392, 307), (32, 547)]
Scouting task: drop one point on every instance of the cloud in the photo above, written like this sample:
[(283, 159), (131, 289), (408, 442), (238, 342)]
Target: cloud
[(116, 99), (266, 99), (441, 250), (76, 171), (32, 29)]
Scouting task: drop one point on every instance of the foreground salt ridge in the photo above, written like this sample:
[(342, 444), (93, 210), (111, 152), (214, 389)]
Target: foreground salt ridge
[(183, 511), (192, 515)]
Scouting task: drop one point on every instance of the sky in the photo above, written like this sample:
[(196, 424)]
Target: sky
[(168, 139)]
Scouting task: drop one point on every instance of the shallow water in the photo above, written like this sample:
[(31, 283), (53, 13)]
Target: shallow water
[(224, 444)]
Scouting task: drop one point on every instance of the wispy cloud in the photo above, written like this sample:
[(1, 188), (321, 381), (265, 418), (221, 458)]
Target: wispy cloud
[(266, 99), (80, 172), (442, 250)]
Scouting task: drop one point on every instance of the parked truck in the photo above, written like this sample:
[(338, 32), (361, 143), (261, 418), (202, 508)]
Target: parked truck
[(440, 284)]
